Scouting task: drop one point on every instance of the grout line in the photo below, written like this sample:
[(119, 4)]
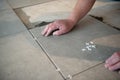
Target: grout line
[(51, 60), (9, 4), (87, 69)]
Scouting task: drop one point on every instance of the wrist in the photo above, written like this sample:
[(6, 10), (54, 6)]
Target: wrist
[(72, 21)]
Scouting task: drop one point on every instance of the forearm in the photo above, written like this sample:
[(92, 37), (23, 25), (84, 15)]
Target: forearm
[(81, 8)]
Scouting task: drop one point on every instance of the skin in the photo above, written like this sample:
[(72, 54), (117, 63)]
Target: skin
[(113, 63), (63, 26)]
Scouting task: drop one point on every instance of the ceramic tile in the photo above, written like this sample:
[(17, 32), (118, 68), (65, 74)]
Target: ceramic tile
[(98, 73), (46, 9), (46, 12), (23, 3), (10, 23), (109, 13), (66, 50), (4, 5), (22, 59)]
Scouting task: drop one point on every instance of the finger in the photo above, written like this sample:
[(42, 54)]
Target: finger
[(51, 29), (115, 67), (45, 30), (59, 32), (115, 55), (112, 60)]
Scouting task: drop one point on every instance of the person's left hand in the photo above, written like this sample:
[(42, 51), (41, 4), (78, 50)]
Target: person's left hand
[(113, 63)]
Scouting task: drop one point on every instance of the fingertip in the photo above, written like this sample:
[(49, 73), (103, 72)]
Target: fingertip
[(106, 66)]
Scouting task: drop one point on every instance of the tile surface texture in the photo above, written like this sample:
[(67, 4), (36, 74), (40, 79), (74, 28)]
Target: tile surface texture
[(98, 73), (22, 59), (110, 14), (59, 6), (10, 23), (4, 5), (47, 11), (66, 50), (23, 3)]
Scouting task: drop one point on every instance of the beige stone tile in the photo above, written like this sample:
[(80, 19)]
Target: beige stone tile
[(47, 11), (54, 7), (109, 13), (98, 73), (22, 59), (23, 3), (100, 3)]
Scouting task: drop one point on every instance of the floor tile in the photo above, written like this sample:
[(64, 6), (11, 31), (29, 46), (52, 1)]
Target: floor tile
[(66, 50), (23, 3), (22, 59), (45, 11), (98, 73), (109, 13), (10, 23), (4, 5)]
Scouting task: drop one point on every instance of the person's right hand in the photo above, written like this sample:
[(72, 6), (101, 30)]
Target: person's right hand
[(62, 27)]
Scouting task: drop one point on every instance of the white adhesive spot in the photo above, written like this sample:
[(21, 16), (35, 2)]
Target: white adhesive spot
[(69, 76), (91, 42), (93, 46), (83, 49), (87, 43)]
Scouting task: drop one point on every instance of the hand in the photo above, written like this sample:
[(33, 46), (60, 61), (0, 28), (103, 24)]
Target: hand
[(62, 27), (113, 63)]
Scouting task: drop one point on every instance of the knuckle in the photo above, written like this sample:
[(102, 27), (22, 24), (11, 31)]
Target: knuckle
[(50, 28)]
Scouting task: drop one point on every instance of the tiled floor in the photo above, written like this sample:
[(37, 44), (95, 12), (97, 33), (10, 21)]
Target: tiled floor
[(96, 73), (22, 59), (4, 5), (27, 55), (112, 11), (23, 3), (66, 50), (10, 23)]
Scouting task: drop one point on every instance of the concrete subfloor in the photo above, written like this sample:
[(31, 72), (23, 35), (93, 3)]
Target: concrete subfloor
[(26, 55)]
